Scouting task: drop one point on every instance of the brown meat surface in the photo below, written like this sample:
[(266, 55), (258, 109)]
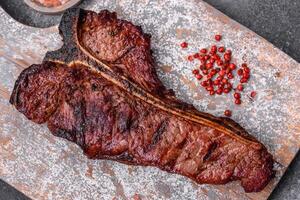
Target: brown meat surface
[(110, 118), (121, 44)]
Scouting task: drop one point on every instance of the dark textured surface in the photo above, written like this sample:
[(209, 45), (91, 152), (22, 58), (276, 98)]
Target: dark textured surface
[(288, 187), (9, 193), (276, 21), (26, 15)]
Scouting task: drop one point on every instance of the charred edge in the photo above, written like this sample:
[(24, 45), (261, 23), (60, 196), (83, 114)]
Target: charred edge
[(66, 26), (67, 29), (124, 158), (22, 78), (15, 93), (65, 134)]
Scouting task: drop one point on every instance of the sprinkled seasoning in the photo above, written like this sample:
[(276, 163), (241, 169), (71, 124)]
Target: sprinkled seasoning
[(217, 72)]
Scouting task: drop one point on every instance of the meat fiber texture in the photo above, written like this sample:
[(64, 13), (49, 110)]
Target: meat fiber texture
[(101, 91)]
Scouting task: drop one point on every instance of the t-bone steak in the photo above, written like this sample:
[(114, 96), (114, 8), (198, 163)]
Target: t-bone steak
[(101, 91)]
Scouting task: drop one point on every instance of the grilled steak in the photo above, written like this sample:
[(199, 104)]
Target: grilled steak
[(101, 91)]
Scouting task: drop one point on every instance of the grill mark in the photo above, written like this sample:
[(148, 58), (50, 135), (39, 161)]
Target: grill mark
[(118, 60), (124, 122), (94, 87), (182, 144), (158, 133), (171, 163), (211, 149), (79, 112)]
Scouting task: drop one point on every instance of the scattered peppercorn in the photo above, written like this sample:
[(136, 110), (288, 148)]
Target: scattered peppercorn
[(202, 67), (219, 62), (219, 91), (196, 55), (184, 45), (237, 95), (209, 65), (227, 57), (218, 37), (219, 71), (244, 65), (237, 101), (228, 52), (195, 71), (230, 76), (136, 197), (221, 49), (199, 76), (240, 72), (253, 94), (232, 66), (246, 70), (190, 58), (203, 51), (243, 80), (227, 113), (213, 49), (240, 87), (226, 90)]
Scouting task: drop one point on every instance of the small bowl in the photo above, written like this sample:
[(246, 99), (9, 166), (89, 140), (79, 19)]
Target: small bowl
[(51, 10)]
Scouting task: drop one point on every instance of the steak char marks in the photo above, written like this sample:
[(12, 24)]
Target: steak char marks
[(101, 91)]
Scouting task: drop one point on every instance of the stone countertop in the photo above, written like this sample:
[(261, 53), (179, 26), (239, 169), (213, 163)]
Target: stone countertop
[(278, 21)]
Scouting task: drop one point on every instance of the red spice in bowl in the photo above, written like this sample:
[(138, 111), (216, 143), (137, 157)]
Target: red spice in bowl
[(51, 3), (51, 6)]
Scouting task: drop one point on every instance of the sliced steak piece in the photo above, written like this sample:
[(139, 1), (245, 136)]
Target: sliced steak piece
[(101, 91)]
